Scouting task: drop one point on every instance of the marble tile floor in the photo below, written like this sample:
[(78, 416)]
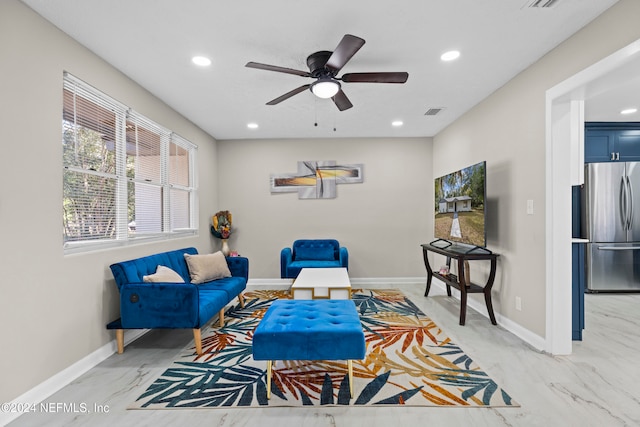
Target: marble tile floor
[(598, 385)]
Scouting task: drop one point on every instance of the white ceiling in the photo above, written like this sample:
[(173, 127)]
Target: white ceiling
[(605, 98), (152, 42)]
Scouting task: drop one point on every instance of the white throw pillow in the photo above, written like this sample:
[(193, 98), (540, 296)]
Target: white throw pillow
[(163, 274), (204, 268)]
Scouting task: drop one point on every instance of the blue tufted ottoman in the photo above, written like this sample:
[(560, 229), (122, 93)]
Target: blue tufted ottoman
[(309, 330)]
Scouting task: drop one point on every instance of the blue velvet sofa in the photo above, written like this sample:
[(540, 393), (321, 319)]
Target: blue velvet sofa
[(171, 304), (312, 253)]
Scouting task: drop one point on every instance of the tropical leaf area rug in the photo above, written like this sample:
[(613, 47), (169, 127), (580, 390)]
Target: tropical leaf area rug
[(409, 361)]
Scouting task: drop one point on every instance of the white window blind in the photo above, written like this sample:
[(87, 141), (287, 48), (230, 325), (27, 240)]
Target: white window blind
[(181, 180), (125, 176)]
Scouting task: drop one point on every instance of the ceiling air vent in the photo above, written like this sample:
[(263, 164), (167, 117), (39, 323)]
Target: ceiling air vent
[(540, 3), (433, 111)]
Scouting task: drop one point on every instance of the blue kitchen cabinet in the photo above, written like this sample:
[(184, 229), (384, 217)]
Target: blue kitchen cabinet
[(611, 142), (599, 145), (577, 283)]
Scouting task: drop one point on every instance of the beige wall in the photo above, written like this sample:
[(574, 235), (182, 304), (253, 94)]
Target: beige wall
[(508, 131), (54, 308), (382, 221)]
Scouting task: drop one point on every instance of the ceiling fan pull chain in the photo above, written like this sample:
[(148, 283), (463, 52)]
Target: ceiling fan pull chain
[(315, 112)]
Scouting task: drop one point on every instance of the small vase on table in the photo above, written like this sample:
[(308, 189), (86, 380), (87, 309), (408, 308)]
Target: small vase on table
[(225, 247)]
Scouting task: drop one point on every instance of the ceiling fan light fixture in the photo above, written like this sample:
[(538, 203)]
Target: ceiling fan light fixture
[(325, 88)]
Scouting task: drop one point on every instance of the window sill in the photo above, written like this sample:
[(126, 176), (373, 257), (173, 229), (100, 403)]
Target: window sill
[(72, 248)]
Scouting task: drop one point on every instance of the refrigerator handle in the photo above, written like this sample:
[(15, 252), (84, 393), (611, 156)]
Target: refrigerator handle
[(624, 207), (630, 204), (618, 248)]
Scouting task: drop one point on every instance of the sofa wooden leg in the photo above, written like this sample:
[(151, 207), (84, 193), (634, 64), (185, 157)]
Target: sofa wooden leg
[(221, 317), (197, 337), (241, 299), (120, 340)]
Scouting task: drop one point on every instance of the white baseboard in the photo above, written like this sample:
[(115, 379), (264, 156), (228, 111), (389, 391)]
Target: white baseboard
[(269, 283), (45, 389), (534, 340), (278, 283), (388, 281)]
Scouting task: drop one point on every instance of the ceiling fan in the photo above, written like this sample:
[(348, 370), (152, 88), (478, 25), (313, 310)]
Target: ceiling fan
[(324, 67)]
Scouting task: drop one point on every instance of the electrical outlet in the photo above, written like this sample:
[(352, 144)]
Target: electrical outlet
[(529, 207), (518, 304)]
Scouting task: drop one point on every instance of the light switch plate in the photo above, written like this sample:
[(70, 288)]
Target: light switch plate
[(529, 207)]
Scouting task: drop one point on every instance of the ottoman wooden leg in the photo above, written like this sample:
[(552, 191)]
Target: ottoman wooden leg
[(350, 368), (269, 363)]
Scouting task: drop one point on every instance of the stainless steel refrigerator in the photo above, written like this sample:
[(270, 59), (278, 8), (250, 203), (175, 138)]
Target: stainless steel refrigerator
[(611, 223)]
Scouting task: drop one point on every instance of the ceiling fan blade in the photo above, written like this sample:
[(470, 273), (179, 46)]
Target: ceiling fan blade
[(267, 67), (288, 95), (375, 77), (347, 47), (341, 101)]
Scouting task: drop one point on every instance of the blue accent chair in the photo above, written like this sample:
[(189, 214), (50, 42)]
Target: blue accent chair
[(312, 253), (173, 305)]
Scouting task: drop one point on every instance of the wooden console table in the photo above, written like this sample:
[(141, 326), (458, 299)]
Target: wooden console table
[(462, 254)]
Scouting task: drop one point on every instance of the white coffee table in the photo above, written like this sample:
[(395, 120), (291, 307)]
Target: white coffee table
[(322, 283)]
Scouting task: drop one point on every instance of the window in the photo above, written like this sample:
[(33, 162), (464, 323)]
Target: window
[(125, 177)]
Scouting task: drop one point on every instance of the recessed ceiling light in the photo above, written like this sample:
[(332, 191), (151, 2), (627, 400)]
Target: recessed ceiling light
[(629, 111), (252, 126), (202, 61), (397, 123), (450, 56)]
